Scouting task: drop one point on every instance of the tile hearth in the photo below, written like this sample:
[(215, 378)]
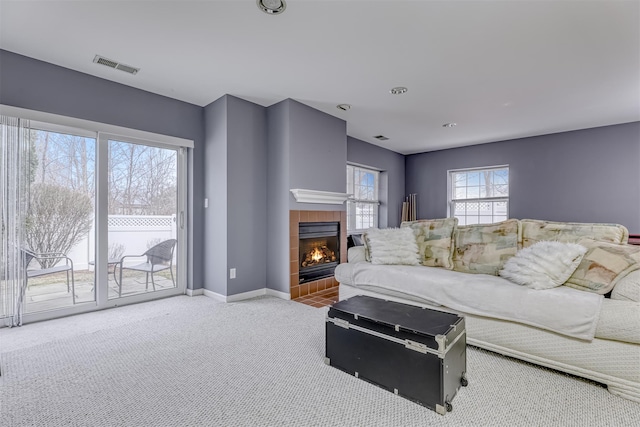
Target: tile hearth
[(320, 299)]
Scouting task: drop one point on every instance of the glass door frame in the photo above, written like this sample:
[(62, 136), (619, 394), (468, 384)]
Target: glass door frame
[(58, 123), (102, 231)]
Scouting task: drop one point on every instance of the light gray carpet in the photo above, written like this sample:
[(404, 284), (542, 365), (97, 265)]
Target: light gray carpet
[(195, 362)]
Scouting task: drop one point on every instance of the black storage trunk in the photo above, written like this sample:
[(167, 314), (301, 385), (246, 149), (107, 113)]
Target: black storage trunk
[(415, 352)]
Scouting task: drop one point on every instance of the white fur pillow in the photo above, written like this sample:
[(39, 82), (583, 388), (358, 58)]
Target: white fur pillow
[(544, 265), (392, 246)]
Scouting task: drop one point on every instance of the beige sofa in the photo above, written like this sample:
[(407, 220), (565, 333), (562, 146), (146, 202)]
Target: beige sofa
[(611, 356)]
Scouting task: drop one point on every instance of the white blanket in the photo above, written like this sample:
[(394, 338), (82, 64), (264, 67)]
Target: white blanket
[(563, 310)]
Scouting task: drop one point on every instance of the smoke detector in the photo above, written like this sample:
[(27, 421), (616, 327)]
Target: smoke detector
[(272, 7), (115, 64)]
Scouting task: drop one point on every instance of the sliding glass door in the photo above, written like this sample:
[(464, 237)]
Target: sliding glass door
[(100, 221), (60, 222), (142, 218)]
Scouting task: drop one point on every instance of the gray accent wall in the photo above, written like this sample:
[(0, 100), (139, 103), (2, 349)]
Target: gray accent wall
[(215, 181), (40, 86), (278, 155), (392, 185), (318, 154), (246, 195), (236, 185), (590, 175), (306, 149)]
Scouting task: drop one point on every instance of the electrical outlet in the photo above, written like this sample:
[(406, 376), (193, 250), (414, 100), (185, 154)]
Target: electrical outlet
[(232, 273)]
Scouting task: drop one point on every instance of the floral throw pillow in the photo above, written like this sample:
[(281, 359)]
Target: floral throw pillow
[(604, 265), (484, 248), (435, 240)]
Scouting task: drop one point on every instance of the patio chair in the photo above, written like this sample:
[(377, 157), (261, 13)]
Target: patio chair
[(28, 256), (159, 258)]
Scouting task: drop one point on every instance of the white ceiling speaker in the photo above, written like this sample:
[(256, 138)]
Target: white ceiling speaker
[(272, 7)]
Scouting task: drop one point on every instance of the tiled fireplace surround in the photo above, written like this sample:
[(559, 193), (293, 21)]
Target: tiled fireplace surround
[(295, 218)]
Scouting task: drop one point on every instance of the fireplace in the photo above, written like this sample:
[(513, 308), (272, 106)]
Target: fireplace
[(325, 281), (319, 250)]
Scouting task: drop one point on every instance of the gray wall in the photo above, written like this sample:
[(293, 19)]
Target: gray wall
[(278, 196), (306, 149), (36, 85), (215, 181), (590, 175), (236, 185), (318, 154), (391, 178), (246, 195)]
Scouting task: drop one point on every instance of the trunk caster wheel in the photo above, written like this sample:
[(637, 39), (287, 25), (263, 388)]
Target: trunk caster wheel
[(448, 406), (464, 382)]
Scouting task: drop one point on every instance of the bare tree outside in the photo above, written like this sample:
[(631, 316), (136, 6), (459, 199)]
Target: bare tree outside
[(142, 179), (66, 160), (58, 219)]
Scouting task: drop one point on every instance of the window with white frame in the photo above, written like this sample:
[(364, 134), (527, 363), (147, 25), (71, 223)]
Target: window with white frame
[(362, 205), (479, 196)]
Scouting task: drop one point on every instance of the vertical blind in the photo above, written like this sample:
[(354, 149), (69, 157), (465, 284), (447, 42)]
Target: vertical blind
[(14, 186)]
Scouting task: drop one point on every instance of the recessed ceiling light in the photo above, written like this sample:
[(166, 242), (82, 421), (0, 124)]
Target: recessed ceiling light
[(343, 107), (398, 90), (272, 7), (449, 125)]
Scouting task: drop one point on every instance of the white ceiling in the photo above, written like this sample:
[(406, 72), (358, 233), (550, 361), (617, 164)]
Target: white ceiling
[(499, 69)]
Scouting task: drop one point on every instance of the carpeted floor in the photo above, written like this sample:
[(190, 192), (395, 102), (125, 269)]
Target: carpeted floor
[(196, 362)]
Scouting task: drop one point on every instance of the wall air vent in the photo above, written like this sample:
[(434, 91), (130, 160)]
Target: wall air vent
[(381, 138), (115, 64)]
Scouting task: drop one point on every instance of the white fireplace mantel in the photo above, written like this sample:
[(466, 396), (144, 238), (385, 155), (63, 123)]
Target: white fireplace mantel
[(315, 196)]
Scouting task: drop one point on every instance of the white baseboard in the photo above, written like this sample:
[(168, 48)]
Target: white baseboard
[(278, 294), (214, 295), (195, 292), (245, 295)]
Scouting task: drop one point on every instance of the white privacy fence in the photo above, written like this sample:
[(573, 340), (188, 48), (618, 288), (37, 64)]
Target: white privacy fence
[(128, 235)]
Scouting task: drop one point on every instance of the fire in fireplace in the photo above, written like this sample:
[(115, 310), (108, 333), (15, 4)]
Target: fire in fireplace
[(319, 250), (318, 254)]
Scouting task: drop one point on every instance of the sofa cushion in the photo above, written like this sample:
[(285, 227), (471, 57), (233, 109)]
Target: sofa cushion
[(603, 266), (564, 310), (628, 288), (619, 320), (484, 248), (356, 254), (435, 240), (544, 265), (534, 231), (392, 246)]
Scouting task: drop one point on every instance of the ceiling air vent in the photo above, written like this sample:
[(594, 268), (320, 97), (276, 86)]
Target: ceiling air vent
[(115, 64), (381, 138)]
